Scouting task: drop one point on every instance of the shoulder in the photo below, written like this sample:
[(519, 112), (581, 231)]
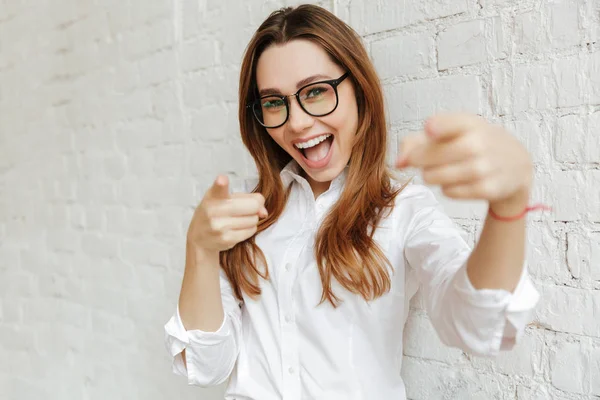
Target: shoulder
[(413, 196)]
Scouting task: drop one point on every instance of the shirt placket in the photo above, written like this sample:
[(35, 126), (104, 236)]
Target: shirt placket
[(289, 332)]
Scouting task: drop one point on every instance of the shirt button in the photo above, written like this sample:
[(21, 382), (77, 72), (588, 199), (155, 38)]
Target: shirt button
[(288, 266), (291, 370), (288, 319)]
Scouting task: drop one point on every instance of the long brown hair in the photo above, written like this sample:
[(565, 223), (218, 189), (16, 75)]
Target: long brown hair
[(345, 249)]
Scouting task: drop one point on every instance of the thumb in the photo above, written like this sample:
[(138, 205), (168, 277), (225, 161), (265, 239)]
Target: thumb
[(408, 148), (220, 188)]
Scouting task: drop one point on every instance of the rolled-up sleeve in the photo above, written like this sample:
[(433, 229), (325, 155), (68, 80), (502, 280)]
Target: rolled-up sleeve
[(210, 356), (480, 321)]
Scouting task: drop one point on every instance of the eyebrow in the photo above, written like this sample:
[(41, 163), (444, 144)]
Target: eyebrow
[(305, 81)]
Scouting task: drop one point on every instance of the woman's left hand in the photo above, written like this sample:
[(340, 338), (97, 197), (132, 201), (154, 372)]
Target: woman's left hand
[(470, 159)]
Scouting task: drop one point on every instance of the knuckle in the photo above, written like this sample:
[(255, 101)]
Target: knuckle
[(480, 169), (260, 199), (487, 188), (213, 224), (474, 145), (208, 212), (225, 237)]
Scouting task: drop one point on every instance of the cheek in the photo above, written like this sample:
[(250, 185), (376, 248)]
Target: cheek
[(277, 136), (346, 122)]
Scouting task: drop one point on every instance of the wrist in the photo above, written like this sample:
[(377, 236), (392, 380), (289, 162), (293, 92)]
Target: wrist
[(202, 255), (512, 205)]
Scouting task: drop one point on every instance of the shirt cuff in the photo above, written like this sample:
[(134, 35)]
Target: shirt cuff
[(514, 309), (177, 338)]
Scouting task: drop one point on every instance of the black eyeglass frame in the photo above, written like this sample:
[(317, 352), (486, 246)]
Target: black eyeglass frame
[(333, 82)]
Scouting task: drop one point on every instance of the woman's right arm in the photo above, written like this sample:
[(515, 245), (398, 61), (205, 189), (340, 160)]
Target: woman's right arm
[(203, 336)]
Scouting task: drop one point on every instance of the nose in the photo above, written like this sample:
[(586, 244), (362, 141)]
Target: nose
[(298, 119)]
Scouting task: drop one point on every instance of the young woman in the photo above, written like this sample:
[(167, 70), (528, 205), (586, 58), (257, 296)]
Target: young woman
[(300, 289)]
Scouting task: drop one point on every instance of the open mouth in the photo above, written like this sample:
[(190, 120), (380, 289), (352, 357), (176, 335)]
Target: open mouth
[(316, 152)]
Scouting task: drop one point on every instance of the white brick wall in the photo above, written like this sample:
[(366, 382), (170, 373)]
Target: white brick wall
[(115, 118)]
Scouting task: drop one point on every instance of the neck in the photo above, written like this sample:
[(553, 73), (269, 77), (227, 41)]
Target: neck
[(318, 188)]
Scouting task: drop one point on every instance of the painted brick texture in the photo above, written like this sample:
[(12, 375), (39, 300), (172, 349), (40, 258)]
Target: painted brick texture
[(116, 116)]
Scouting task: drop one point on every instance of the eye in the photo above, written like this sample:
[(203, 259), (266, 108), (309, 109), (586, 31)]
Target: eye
[(316, 92), (273, 103)]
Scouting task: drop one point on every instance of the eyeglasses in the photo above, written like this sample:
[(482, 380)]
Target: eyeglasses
[(317, 99)]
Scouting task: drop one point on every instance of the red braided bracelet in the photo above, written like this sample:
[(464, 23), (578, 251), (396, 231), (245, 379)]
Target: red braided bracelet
[(519, 216)]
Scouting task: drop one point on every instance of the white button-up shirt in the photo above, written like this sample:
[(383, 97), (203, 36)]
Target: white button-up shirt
[(284, 346)]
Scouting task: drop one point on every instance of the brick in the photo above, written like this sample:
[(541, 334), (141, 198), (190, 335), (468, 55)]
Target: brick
[(370, 17), (214, 122), (146, 252), (564, 25), (11, 312), (568, 365), (64, 240), (18, 283), (158, 68), (147, 39), (417, 100), (525, 359), (592, 74), (169, 161), (462, 44), (593, 195), (146, 14), (90, 193), (529, 33), (145, 132), (99, 245), (556, 310), (198, 54), (426, 380), (543, 249), (221, 84), (231, 49), (571, 82), (533, 88), (191, 14), (576, 138), (417, 55), (594, 357), (536, 135), (499, 47), (115, 166), (568, 201), (106, 299)]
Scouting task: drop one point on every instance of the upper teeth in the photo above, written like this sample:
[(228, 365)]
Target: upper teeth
[(312, 142)]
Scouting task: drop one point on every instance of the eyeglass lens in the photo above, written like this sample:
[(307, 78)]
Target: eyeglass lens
[(317, 100)]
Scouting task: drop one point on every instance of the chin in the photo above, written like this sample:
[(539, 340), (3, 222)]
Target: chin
[(326, 175)]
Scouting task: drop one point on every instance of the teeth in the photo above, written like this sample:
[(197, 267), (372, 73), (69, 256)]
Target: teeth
[(312, 142)]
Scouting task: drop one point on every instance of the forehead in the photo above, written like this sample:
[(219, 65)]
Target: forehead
[(282, 66)]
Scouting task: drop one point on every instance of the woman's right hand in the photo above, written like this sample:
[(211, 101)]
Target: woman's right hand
[(222, 220)]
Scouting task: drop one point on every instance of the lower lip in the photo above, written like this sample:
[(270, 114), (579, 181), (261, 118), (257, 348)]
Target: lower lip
[(321, 163)]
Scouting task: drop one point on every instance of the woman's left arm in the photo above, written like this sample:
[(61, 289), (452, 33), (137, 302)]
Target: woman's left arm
[(472, 159)]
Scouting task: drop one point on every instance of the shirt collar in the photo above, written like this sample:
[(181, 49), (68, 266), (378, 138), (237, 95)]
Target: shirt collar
[(291, 172)]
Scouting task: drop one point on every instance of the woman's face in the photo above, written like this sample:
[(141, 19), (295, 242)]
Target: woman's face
[(286, 68)]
